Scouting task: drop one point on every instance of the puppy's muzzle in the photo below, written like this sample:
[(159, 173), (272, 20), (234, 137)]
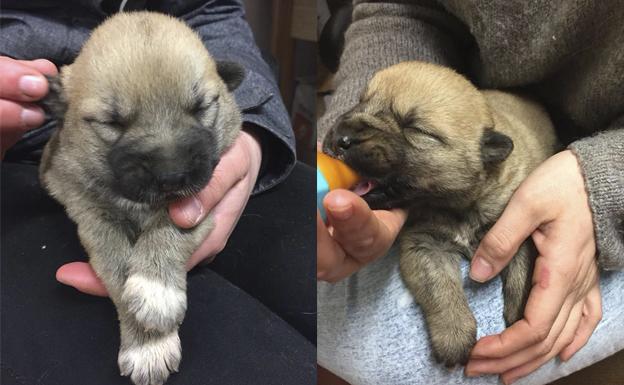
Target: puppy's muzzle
[(172, 181), (344, 142), (346, 136)]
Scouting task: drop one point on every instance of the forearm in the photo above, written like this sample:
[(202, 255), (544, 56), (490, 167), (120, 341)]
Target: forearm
[(601, 158), (383, 34)]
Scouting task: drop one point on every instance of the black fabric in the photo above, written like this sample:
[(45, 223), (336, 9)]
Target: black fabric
[(53, 334), (272, 253)]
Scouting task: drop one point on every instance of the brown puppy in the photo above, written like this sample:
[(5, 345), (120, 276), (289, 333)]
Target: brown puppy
[(144, 116), (426, 139)]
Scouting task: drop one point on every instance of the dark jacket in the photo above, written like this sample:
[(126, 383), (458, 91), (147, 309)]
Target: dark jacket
[(56, 30)]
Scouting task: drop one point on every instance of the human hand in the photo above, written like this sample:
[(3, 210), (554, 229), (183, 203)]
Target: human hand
[(356, 235), (224, 197), (564, 305), (21, 84)]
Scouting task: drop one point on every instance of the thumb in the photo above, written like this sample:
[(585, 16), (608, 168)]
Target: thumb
[(187, 212), (81, 276), (501, 243)]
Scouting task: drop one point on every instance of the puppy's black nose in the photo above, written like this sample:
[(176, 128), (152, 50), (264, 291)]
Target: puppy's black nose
[(171, 181), (344, 142)]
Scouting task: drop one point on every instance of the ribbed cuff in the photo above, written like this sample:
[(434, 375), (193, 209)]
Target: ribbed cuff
[(602, 159)]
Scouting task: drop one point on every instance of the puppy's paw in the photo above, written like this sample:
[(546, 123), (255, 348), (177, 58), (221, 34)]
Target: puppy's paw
[(452, 344), (513, 311), (154, 305), (151, 362)]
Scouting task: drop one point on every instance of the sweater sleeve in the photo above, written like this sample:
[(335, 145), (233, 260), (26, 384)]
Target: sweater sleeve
[(385, 33), (602, 159)]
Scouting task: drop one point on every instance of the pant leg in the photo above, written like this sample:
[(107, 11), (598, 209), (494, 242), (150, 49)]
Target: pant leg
[(53, 335), (370, 330), (271, 253)]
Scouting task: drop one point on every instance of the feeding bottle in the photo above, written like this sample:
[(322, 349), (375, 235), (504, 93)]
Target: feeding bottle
[(331, 174)]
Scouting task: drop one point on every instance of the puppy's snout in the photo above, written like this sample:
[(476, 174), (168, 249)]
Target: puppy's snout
[(344, 142), (348, 134), (172, 181)]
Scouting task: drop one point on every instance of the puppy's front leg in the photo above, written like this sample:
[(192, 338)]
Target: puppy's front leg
[(517, 281), (108, 246), (148, 357), (433, 277), (155, 291)]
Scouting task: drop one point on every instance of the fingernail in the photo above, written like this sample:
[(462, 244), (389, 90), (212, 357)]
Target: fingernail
[(341, 208), (32, 85), (31, 116), (511, 381), (193, 210), (480, 270)]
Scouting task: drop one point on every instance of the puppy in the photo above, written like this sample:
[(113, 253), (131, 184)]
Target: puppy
[(424, 138), (145, 114)]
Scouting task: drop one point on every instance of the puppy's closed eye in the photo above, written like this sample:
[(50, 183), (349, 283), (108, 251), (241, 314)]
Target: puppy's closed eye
[(425, 134), (104, 122), (201, 102), (106, 129)]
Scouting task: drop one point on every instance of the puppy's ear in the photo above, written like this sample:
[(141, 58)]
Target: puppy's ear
[(55, 102), (495, 147), (231, 73)]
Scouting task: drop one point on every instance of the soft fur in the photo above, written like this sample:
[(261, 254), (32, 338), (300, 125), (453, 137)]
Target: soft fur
[(144, 118), (429, 141)]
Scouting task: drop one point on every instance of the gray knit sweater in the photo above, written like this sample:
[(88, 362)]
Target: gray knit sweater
[(567, 54)]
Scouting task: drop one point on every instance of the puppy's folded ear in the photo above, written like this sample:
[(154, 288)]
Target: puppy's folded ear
[(495, 147), (55, 102), (231, 73)]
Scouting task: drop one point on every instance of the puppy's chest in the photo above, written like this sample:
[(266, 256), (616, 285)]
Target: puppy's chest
[(448, 231), (132, 223)]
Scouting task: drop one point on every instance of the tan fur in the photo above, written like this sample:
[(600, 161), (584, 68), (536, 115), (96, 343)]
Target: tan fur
[(135, 82), (436, 145)]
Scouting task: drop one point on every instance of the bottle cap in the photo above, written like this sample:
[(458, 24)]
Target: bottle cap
[(337, 174)]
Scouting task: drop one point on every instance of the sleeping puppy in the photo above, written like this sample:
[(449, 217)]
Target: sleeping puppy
[(145, 114), (424, 138)]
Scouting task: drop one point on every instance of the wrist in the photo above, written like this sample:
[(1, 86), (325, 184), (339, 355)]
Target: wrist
[(253, 145)]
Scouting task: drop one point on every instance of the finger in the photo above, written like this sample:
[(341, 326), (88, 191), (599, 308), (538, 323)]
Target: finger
[(44, 66), (333, 264), (363, 234), (501, 243), (225, 216), (21, 82), (501, 365), (328, 253), (592, 314), (16, 118), (232, 167), (81, 276), (564, 339), (547, 296)]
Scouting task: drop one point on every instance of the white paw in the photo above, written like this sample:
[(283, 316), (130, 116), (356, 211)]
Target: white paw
[(153, 361), (154, 305)]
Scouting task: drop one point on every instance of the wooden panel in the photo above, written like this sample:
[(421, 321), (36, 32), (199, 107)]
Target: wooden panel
[(282, 46), (304, 20)]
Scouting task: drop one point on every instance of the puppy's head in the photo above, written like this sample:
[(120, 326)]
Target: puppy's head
[(419, 131), (147, 111)]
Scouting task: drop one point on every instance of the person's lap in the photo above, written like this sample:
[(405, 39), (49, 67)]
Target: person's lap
[(52, 334), (270, 253), (370, 330)]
